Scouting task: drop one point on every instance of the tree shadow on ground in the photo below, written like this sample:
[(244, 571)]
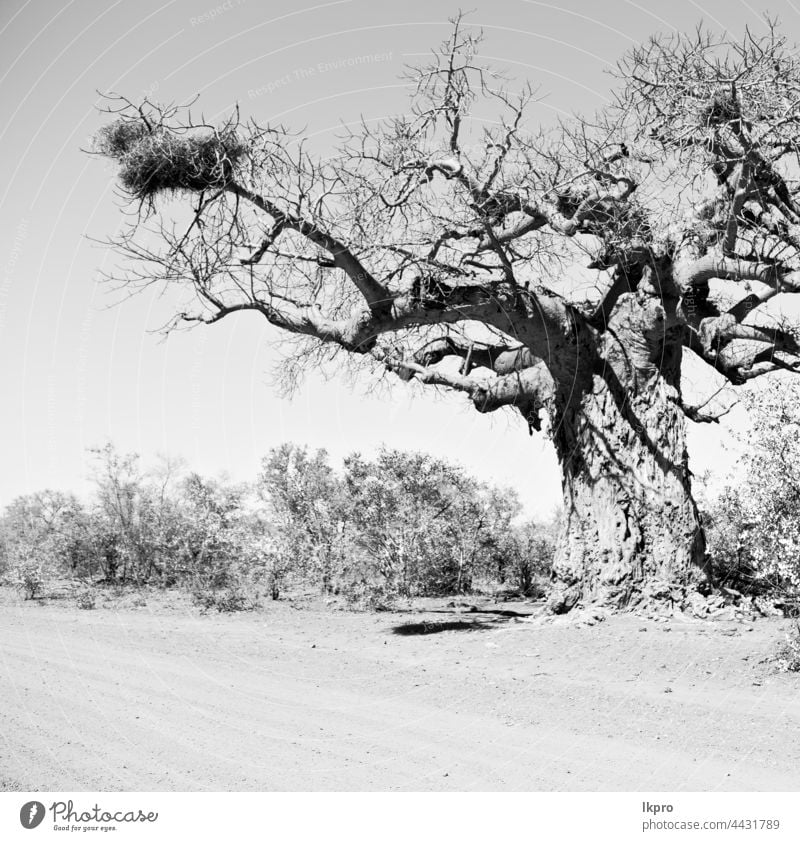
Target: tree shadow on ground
[(410, 629), (508, 614), (503, 612)]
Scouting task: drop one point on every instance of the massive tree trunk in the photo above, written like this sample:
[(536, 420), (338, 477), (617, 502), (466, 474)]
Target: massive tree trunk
[(631, 531)]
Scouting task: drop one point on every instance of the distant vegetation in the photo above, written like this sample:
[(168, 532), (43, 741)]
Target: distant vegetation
[(399, 525)]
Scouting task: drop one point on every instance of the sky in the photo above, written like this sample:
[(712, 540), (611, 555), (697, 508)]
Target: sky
[(78, 367)]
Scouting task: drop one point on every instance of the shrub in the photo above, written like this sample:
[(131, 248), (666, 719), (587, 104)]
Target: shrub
[(753, 529), (276, 578), (227, 590), (39, 538), (527, 553), (528, 576), (225, 600), (369, 594), (732, 547), (788, 655), (87, 600), (29, 577), (306, 516)]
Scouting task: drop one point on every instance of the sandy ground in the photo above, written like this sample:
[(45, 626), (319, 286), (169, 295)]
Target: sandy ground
[(156, 699)]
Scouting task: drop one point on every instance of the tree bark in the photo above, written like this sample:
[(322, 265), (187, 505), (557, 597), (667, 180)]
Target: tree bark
[(631, 527)]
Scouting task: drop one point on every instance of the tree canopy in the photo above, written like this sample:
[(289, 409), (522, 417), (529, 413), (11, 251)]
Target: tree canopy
[(423, 238)]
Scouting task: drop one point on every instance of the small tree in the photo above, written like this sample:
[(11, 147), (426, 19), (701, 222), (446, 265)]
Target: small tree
[(499, 541), (303, 503), (137, 521), (220, 534), (120, 507), (532, 555)]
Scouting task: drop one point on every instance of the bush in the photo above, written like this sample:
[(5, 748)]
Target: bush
[(526, 555), (305, 510), (753, 529), (788, 655), (29, 578), (39, 538), (233, 591), (732, 547), (225, 600), (87, 600), (529, 578), (369, 594)]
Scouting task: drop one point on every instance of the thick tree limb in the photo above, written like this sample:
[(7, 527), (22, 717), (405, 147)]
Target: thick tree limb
[(706, 268), (716, 332), (736, 368), (500, 358), (529, 389)]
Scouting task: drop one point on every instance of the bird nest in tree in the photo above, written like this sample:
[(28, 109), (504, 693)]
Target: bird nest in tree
[(157, 159)]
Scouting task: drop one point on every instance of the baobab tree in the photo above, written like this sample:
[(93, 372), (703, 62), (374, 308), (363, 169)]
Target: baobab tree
[(567, 272)]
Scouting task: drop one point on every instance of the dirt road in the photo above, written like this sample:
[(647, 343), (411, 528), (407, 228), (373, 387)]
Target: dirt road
[(156, 699)]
